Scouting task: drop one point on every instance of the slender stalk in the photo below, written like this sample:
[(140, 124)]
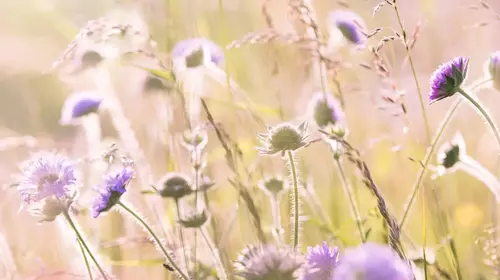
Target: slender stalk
[(476, 170), (354, 207), (295, 200), (196, 183), (181, 234), (430, 152), (275, 210), (87, 265), (156, 239), (215, 253), (82, 242), (483, 112)]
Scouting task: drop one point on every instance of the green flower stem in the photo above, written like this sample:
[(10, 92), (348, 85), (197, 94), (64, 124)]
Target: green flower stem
[(181, 234), (348, 190), (156, 239), (295, 201), (87, 265), (478, 106), (82, 243)]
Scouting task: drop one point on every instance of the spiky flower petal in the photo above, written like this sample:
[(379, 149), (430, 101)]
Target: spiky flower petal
[(111, 190), (448, 78), (321, 262), (269, 263), (371, 261), (283, 137)]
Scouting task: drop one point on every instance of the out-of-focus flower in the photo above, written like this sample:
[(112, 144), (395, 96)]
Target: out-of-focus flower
[(194, 52), (325, 110), (346, 25), (197, 139), (174, 185), (273, 186), (48, 184), (494, 69), (112, 188), (371, 261), (269, 263), (79, 104), (283, 137), (448, 78), (194, 220), (450, 153), (321, 262)]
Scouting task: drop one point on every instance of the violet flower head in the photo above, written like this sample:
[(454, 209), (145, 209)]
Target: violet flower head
[(371, 261), (78, 105), (321, 262), (448, 78), (350, 24), (45, 175), (187, 50), (269, 263), (112, 188), (494, 69)]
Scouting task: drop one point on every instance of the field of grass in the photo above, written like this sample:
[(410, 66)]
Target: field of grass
[(375, 175)]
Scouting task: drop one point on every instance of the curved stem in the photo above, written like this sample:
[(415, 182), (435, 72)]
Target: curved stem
[(87, 265), (218, 261), (82, 242), (483, 112), (156, 239), (478, 171), (354, 207), (295, 200)]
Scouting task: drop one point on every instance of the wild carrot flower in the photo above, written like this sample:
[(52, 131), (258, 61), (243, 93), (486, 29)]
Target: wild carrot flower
[(348, 25), (494, 69), (321, 262), (448, 78), (283, 137), (79, 104), (372, 261), (269, 263), (112, 188)]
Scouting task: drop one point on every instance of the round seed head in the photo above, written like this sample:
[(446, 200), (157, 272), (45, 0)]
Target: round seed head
[(325, 110), (174, 185), (194, 220), (283, 137)]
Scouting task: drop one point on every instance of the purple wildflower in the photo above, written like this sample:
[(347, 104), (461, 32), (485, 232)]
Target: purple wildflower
[(350, 24), (448, 78), (494, 69), (78, 105), (45, 175), (111, 190), (321, 261), (269, 263), (326, 111), (371, 261), (187, 47)]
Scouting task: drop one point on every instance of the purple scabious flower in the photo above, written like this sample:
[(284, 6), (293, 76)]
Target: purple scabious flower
[(44, 175), (185, 48), (78, 105), (325, 110), (111, 190), (321, 262), (371, 261), (494, 69), (448, 78), (350, 24), (269, 263)]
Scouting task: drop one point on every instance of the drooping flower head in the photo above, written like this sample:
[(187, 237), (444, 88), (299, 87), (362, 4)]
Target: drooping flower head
[(494, 69), (269, 263), (371, 261), (325, 110), (448, 78), (112, 188), (321, 262), (193, 51), (79, 104), (47, 184), (283, 137), (348, 25), (450, 153)]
